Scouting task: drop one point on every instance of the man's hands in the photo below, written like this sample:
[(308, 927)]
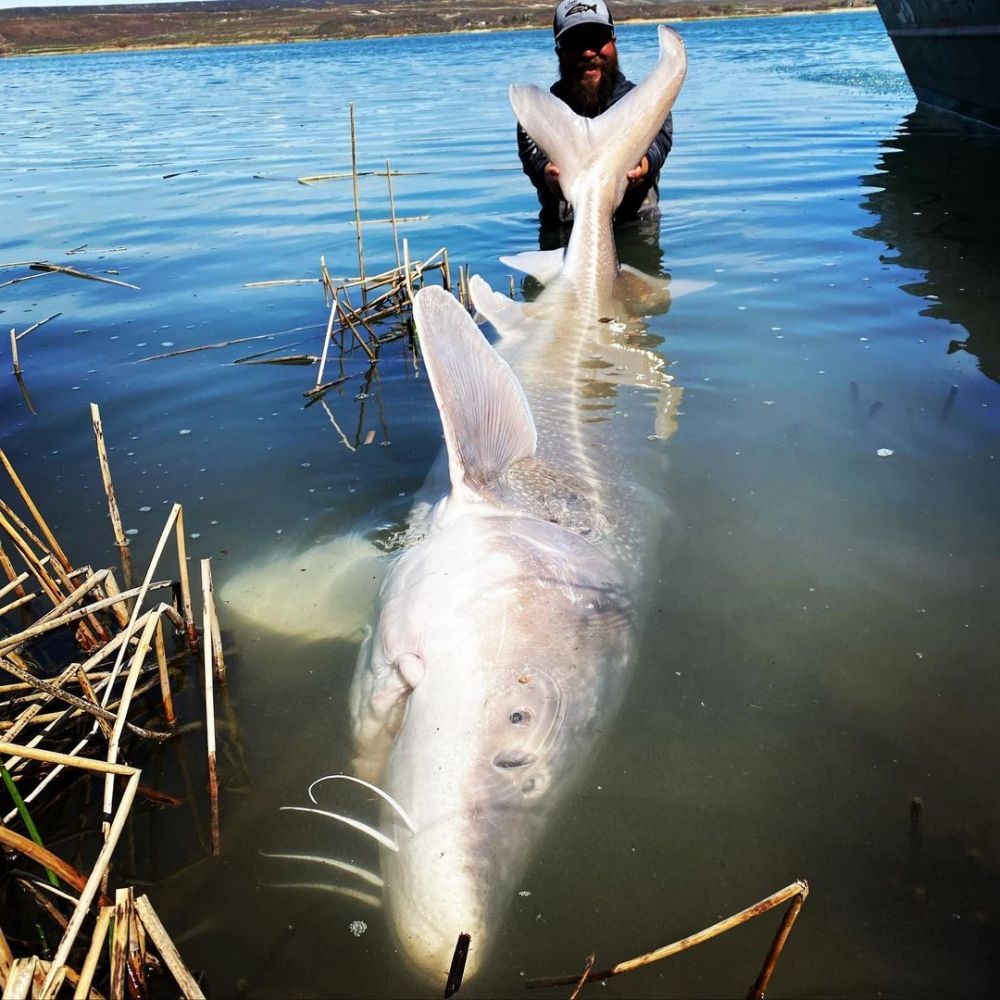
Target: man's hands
[(552, 179), (635, 176)]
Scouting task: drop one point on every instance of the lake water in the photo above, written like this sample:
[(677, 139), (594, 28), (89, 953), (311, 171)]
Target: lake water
[(823, 647)]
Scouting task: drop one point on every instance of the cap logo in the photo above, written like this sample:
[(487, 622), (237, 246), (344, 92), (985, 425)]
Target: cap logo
[(580, 8)]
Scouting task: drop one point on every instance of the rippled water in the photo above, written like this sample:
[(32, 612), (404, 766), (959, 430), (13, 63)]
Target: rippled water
[(823, 648)]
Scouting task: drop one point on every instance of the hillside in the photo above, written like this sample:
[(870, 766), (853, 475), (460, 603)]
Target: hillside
[(28, 30)]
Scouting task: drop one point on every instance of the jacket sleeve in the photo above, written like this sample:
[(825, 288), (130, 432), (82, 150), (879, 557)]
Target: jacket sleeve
[(661, 145), (533, 159)]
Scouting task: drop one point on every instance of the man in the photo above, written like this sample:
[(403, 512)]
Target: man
[(590, 82)]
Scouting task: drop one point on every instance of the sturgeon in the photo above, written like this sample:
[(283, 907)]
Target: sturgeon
[(503, 633)]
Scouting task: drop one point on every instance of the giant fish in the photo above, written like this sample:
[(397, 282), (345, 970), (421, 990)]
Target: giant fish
[(504, 631)]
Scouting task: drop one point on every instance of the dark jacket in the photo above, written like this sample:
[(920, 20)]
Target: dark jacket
[(644, 197)]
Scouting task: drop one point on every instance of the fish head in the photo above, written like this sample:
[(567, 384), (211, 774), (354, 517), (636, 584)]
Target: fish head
[(521, 656)]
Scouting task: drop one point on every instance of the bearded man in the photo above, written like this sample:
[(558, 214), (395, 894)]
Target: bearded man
[(590, 82)]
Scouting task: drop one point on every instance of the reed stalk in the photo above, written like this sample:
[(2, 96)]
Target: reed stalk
[(167, 949), (54, 545), (74, 273), (359, 315), (326, 339), (35, 565), (6, 958), (27, 534), (591, 958), (121, 606), (208, 594), (44, 903), (357, 208), (406, 270), (345, 311), (277, 282), (132, 678), (392, 212), (207, 638), (446, 270), (14, 605), (324, 275), (119, 942), (390, 221), (24, 538), (89, 967), (222, 343), (21, 978), (121, 542), (12, 575), (797, 892), (93, 882), (88, 690), (16, 641), (186, 606), (759, 988), (43, 856), (13, 353), (314, 178), (25, 814), (166, 695), (35, 326)]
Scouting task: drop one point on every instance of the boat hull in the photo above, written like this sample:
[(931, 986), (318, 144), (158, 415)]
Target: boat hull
[(950, 50)]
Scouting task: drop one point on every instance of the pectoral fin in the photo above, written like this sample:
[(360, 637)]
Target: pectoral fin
[(542, 265), (324, 592), (378, 702), (505, 315)]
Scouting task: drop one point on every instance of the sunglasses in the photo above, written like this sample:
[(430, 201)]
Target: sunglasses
[(585, 37)]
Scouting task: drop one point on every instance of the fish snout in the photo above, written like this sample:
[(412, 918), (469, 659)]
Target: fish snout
[(433, 895)]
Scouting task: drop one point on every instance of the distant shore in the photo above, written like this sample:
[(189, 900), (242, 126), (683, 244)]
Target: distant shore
[(23, 35)]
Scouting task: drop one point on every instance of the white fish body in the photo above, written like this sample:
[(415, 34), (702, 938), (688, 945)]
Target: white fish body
[(502, 637)]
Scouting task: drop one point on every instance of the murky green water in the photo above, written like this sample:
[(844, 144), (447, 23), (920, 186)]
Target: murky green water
[(823, 643)]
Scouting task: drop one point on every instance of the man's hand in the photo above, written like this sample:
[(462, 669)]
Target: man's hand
[(636, 174), (552, 179)]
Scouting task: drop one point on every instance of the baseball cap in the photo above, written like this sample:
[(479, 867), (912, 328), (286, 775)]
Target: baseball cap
[(572, 13)]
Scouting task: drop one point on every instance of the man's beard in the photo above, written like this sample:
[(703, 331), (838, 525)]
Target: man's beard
[(585, 98)]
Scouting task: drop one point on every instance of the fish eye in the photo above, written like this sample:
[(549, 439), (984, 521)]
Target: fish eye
[(520, 717)]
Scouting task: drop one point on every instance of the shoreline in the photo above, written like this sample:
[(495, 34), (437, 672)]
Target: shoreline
[(84, 50)]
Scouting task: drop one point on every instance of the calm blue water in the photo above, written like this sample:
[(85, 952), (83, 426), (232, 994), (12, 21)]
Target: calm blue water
[(824, 647)]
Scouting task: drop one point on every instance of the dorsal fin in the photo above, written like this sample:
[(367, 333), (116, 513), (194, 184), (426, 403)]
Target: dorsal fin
[(486, 418)]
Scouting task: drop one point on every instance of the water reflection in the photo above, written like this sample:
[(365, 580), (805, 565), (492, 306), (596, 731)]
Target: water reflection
[(935, 201), (623, 351)]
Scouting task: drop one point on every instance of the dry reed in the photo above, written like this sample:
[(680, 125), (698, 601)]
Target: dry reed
[(127, 656), (796, 893)]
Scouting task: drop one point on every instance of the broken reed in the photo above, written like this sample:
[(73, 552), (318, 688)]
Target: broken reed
[(348, 324), (794, 894), (90, 706), (396, 286)]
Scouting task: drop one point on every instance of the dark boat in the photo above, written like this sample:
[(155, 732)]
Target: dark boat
[(950, 50)]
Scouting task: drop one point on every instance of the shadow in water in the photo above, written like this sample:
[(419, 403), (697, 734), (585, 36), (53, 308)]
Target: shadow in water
[(937, 211)]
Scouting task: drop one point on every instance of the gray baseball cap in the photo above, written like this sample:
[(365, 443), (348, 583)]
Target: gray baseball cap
[(572, 13)]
